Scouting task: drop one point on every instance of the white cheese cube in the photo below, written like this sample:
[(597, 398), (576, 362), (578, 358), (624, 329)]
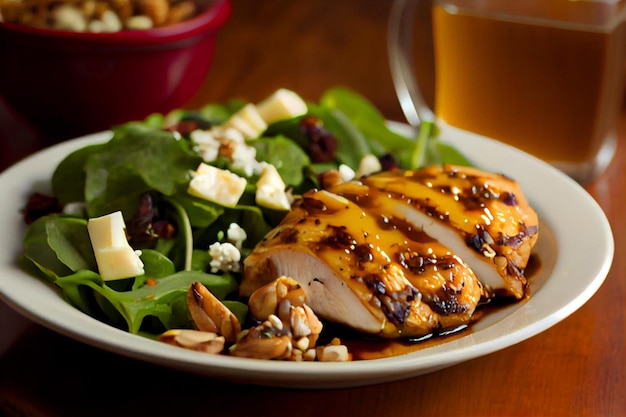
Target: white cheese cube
[(217, 185), (115, 257), (272, 197), (236, 235), (119, 263), (248, 121), (270, 190), (283, 104)]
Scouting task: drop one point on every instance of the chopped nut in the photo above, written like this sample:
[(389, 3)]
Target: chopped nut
[(123, 8), (100, 7), (333, 353), (210, 314), (329, 178), (88, 15), (156, 10), (96, 26), (283, 290), (314, 323), (303, 344), (500, 261), (290, 328), (335, 341), (206, 342), (180, 12), (299, 323), (139, 22), (296, 356), (256, 344), (309, 355), (69, 17), (111, 22), (275, 321), (88, 8), (284, 310)]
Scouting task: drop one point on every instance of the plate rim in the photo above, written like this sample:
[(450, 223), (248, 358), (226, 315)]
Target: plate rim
[(317, 374)]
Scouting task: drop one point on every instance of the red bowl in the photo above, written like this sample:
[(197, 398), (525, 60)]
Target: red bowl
[(67, 84)]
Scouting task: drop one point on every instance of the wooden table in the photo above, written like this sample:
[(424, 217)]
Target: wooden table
[(575, 368)]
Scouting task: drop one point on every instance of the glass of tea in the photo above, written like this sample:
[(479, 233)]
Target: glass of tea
[(545, 76)]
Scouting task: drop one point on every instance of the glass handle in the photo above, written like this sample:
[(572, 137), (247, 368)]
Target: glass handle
[(403, 75)]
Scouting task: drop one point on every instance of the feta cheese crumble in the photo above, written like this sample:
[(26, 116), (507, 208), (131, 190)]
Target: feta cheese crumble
[(230, 143), (236, 235), (225, 257)]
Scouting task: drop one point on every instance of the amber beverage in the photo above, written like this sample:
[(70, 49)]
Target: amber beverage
[(545, 76)]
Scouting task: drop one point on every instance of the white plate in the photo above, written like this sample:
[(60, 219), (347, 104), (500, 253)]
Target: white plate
[(575, 246)]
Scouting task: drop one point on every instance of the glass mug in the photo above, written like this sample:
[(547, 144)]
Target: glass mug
[(545, 76)]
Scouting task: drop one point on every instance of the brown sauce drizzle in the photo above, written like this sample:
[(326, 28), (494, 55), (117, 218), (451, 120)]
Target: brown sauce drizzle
[(365, 348)]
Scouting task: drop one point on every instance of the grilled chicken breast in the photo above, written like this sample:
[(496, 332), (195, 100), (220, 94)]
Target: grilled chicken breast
[(386, 255), (482, 217)]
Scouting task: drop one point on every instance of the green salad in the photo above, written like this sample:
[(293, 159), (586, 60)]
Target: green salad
[(144, 172)]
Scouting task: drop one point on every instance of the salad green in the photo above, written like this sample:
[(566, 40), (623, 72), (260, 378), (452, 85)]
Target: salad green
[(144, 172)]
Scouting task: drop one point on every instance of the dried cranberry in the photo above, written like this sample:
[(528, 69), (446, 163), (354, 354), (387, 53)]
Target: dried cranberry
[(40, 205), (183, 127), (323, 148), (322, 144), (389, 162), (146, 224)]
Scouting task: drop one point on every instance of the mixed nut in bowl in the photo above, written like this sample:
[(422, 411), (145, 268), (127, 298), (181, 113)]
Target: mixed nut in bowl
[(98, 15), (80, 66)]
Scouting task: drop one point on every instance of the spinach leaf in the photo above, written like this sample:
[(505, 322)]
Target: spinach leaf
[(443, 153), (59, 245), (68, 179), (155, 300), (255, 221), (202, 213), (156, 265), (427, 149), (289, 128), (288, 157), (136, 160), (216, 114), (352, 145), (367, 120)]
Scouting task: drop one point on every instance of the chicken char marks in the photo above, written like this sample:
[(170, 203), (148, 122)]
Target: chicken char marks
[(482, 217), (376, 254)]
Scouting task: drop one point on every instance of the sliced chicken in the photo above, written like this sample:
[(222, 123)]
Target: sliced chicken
[(362, 268), (483, 218)]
